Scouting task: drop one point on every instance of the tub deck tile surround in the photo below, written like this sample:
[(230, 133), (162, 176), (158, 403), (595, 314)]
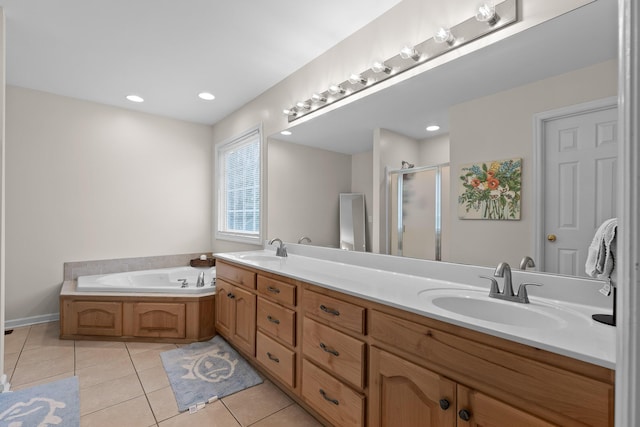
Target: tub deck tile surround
[(141, 395)]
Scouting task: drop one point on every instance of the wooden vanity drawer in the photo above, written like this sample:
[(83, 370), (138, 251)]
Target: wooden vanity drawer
[(236, 275), (277, 290), (336, 401), (278, 359), (534, 386), (338, 352), (278, 321), (334, 311)]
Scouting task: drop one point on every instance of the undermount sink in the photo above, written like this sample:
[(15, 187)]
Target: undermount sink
[(260, 258), (478, 305)]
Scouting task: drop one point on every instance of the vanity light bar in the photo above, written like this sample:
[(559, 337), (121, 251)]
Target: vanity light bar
[(483, 22)]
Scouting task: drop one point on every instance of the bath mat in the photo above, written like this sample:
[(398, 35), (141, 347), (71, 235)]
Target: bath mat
[(53, 404), (202, 371)]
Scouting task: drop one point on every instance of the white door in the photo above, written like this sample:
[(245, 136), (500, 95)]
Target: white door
[(579, 173)]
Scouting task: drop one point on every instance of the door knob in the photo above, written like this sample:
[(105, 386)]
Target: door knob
[(551, 237)]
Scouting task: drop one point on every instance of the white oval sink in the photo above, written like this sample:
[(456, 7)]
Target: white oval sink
[(260, 258), (477, 305)]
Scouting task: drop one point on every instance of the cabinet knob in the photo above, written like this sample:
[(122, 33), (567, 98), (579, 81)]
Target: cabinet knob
[(464, 415), (230, 295), (444, 404)]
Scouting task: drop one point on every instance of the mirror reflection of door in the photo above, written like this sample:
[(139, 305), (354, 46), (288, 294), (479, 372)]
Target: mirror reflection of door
[(580, 151), (419, 202)]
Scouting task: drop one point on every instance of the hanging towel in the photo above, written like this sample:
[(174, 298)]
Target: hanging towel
[(600, 259)]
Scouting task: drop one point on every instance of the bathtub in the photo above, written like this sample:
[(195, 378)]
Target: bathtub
[(163, 280)]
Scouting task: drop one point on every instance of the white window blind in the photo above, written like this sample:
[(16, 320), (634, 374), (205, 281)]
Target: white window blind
[(239, 188)]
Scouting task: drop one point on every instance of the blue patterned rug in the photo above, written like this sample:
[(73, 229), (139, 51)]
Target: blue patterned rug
[(203, 371), (53, 404)]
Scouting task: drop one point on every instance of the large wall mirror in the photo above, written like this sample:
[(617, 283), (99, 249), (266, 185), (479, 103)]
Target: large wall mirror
[(486, 103)]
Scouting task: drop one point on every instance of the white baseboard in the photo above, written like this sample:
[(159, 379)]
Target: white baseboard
[(26, 321), (4, 384)]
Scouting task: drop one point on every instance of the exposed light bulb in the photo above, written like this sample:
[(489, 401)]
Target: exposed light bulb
[(433, 128), (289, 111), (409, 52), (207, 96), (303, 104), (336, 89), (357, 78), (135, 98), (486, 12), (380, 67), (443, 35), (317, 97)]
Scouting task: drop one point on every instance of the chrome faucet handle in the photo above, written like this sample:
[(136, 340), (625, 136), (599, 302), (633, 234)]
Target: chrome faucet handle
[(494, 290), (184, 283), (523, 295), (304, 239), (527, 261)]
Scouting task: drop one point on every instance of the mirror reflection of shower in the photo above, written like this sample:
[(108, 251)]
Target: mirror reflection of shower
[(417, 210)]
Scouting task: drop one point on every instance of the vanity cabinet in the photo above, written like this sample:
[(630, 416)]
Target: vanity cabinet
[(497, 382), (334, 351), (276, 348), (355, 362), (236, 306), (427, 398), (236, 316)]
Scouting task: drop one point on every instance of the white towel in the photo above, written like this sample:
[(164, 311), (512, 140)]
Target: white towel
[(600, 259)]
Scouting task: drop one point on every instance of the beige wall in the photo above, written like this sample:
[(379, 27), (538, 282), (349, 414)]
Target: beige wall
[(434, 151), (500, 126), (87, 181), (303, 187)]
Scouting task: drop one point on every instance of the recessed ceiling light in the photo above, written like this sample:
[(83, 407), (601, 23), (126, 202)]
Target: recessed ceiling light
[(135, 98), (206, 96), (286, 132), (433, 128)]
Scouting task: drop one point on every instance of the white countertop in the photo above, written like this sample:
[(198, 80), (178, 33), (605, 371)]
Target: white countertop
[(576, 335)]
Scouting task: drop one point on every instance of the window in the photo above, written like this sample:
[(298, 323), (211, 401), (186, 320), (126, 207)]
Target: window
[(239, 166)]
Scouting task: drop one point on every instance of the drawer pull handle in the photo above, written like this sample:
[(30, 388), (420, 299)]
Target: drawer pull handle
[(329, 310), (329, 350), (272, 357), (327, 398), (464, 415), (230, 295), (272, 320), (444, 404), (273, 290)]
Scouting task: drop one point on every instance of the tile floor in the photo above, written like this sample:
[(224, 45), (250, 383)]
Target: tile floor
[(124, 384)]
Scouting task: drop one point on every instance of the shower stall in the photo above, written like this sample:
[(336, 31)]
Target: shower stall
[(418, 211)]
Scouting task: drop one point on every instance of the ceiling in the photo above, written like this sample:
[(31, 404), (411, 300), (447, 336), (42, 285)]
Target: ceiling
[(585, 36), (168, 51)]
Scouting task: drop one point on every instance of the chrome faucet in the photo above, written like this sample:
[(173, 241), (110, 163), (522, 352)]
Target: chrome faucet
[(304, 239), (527, 261), (200, 281), (280, 250), (504, 270)]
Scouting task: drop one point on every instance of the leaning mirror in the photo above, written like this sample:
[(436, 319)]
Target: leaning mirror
[(352, 222)]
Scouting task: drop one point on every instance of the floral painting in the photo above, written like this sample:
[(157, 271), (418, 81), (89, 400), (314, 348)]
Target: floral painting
[(490, 190)]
